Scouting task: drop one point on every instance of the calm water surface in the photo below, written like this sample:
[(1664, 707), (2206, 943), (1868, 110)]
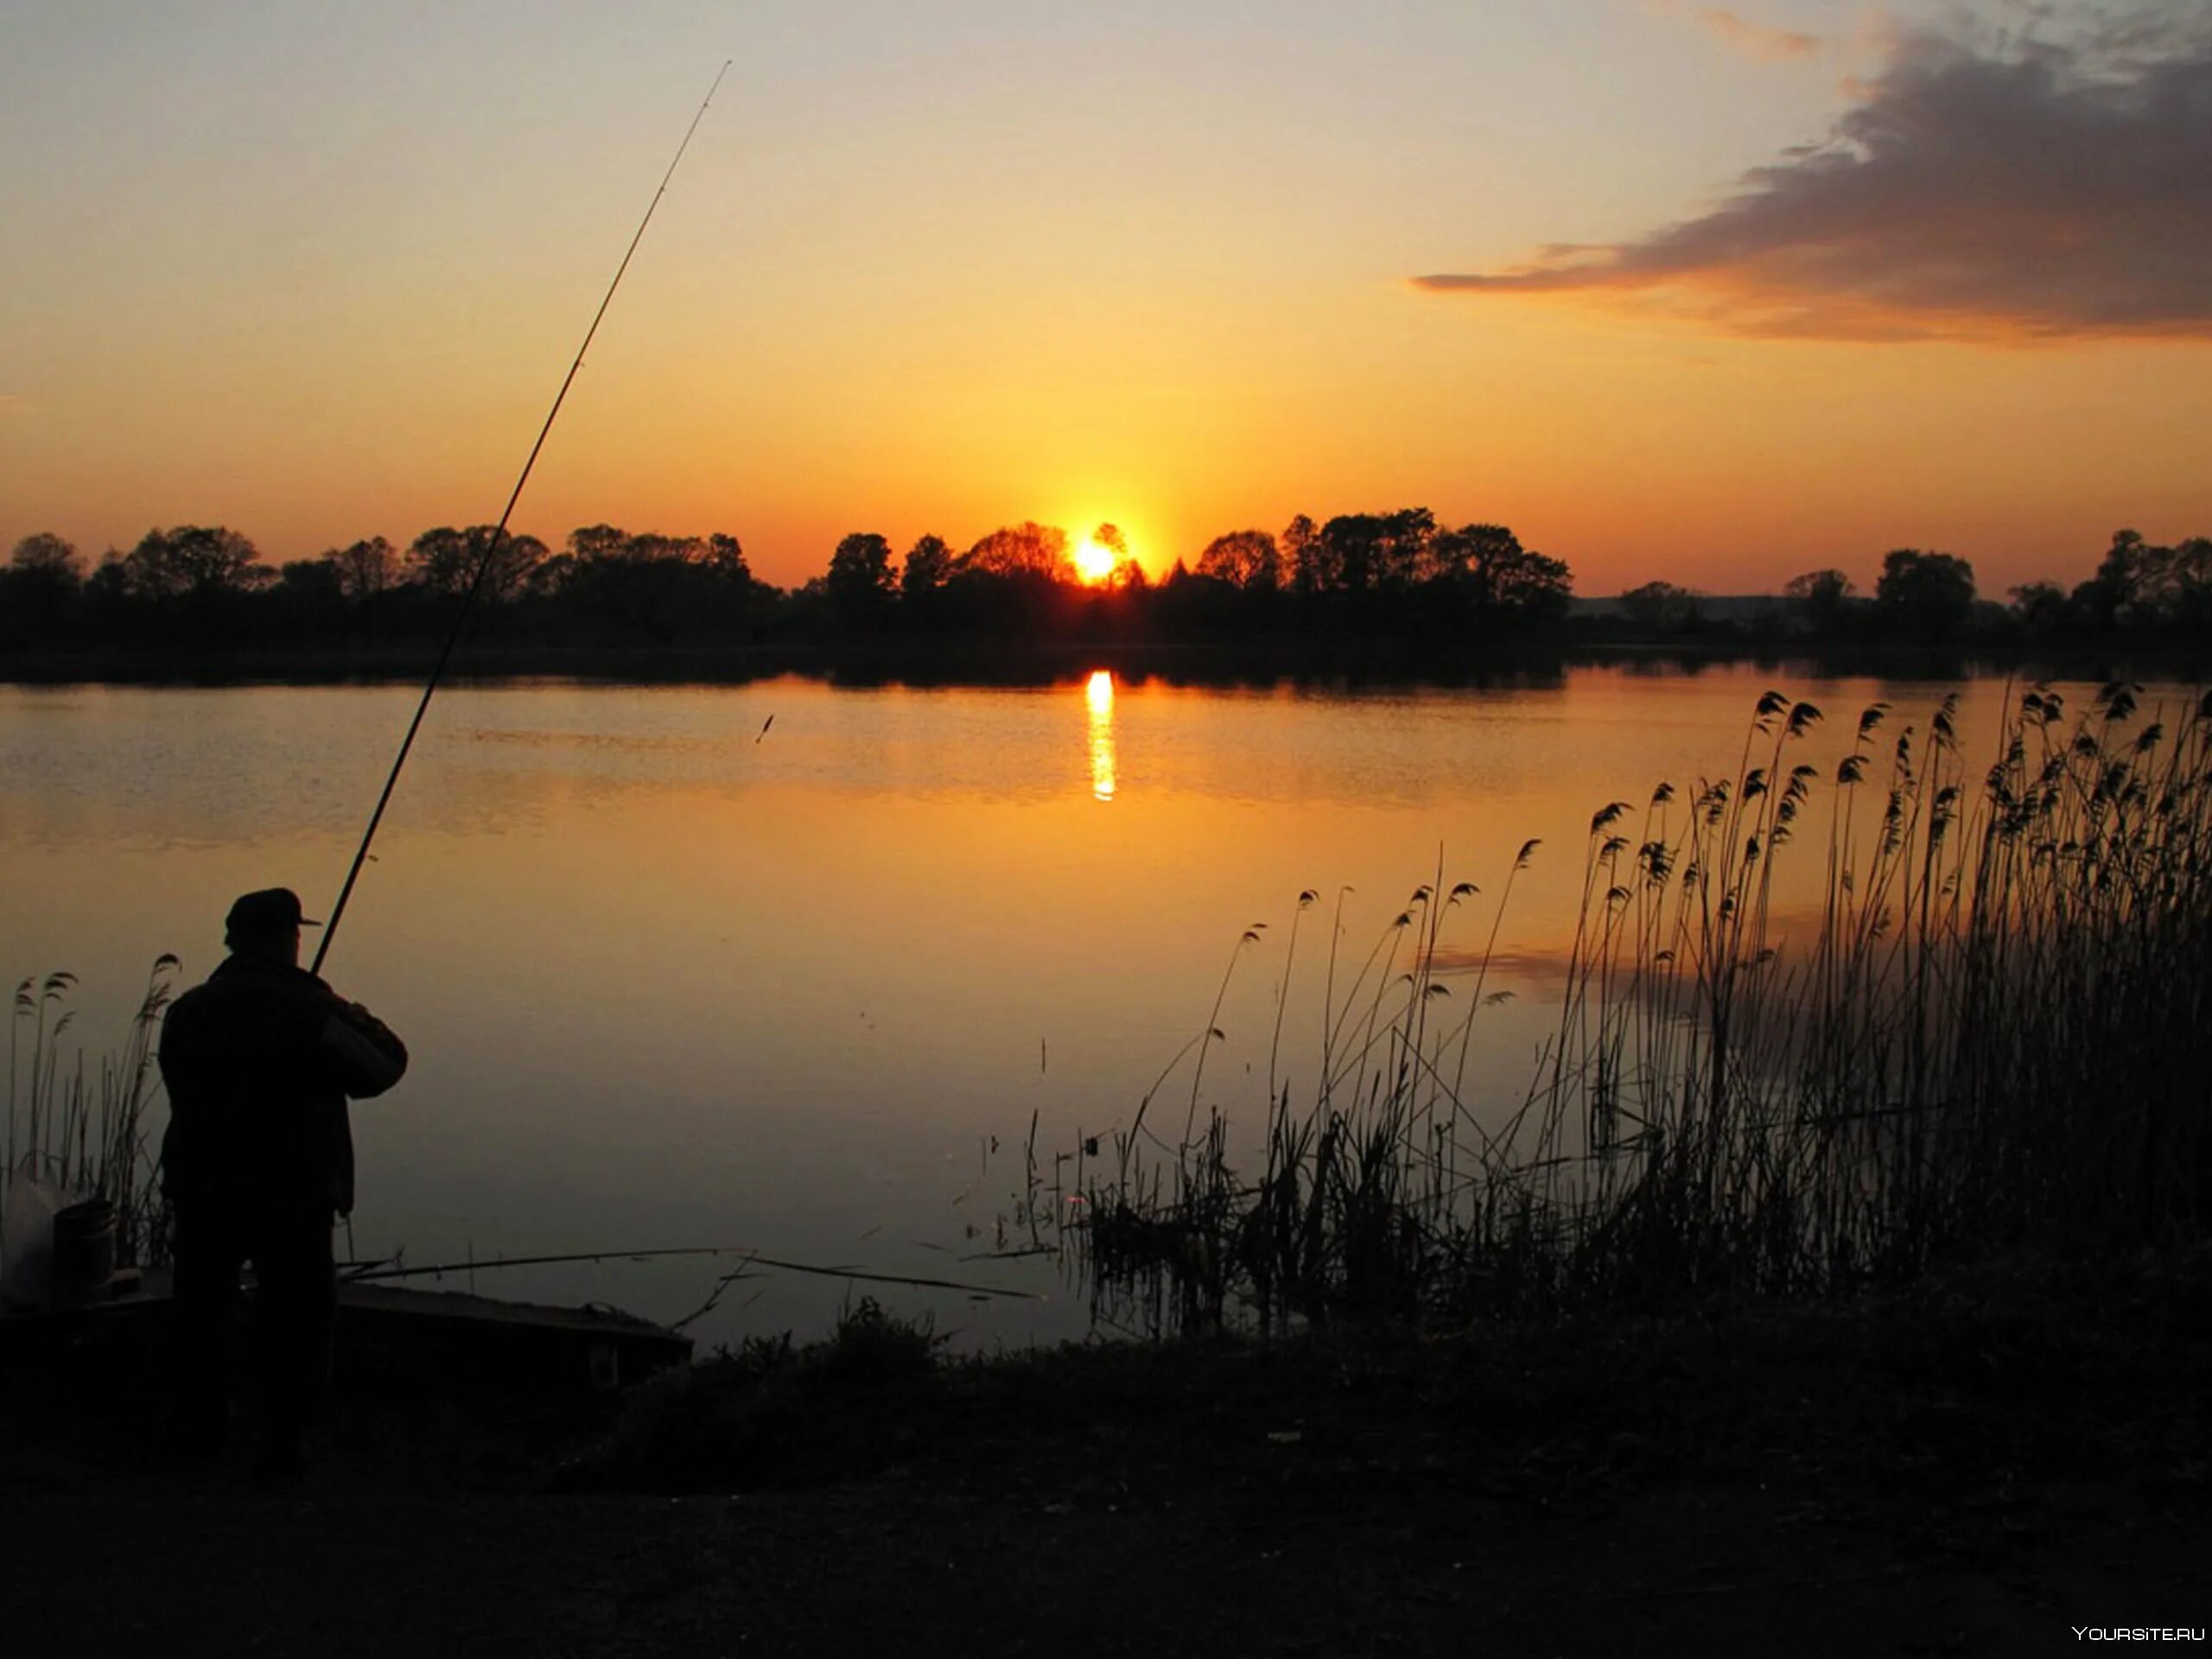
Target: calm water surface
[(669, 981)]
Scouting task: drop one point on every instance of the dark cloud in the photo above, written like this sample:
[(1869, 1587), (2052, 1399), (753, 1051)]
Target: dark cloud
[(1992, 187)]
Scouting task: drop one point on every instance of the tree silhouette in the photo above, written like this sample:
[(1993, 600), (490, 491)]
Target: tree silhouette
[(47, 557), (1245, 559), (1025, 549), (1393, 579), (1821, 597), (605, 542), (446, 560), (202, 561), (1125, 572), (1499, 580), (2109, 598), (2138, 585), (1301, 563), (2183, 587), (929, 563), (1659, 606), (2040, 608), (309, 596), (860, 581), (364, 570), (725, 560), (44, 569), (41, 586), (614, 585), (1350, 554), (1925, 596)]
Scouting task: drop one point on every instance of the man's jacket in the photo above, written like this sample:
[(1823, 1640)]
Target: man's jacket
[(259, 1063)]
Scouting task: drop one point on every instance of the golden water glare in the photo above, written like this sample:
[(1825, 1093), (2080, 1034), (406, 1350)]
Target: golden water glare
[(1099, 693)]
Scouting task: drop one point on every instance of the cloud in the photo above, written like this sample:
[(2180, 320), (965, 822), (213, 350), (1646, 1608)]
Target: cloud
[(1754, 41), (1987, 185)]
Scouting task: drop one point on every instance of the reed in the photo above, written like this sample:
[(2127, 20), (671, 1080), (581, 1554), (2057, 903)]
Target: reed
[(84, 1131), (1990, 1030)]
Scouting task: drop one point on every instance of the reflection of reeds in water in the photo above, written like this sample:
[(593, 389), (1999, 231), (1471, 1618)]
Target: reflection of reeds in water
[(86, 1135), (1997, 1033)]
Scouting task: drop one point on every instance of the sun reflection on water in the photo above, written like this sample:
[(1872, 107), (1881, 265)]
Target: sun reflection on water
[(1099, 693)]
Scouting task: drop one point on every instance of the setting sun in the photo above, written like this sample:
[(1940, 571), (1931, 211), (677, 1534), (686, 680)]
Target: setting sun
[(1094, 561)]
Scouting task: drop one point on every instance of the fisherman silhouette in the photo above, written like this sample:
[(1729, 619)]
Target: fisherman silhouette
[(259, 1162)]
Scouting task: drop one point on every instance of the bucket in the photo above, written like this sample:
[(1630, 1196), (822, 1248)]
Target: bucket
[(84, 1250)]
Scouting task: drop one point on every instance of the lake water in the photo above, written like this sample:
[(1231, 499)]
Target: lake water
[(670, 979)]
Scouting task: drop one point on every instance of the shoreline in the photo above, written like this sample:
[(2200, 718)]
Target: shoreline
[(925, 663), (1976, 1463)]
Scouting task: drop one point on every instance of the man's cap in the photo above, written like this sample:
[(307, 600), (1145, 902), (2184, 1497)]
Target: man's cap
[(269, 911)]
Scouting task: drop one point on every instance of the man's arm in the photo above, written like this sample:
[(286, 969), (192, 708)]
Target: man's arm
[(362, 1050)]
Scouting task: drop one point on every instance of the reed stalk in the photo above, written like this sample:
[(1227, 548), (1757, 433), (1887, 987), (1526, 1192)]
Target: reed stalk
[(1990, 1029), (86, 1133)]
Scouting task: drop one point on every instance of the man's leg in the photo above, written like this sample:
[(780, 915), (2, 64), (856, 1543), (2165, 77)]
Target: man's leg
[(205, 1257), (296, 1312)]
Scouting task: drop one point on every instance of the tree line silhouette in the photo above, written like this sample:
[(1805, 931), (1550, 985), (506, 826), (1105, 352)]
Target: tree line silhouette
[(1391, 574), (1396, 576), (2139, 591)]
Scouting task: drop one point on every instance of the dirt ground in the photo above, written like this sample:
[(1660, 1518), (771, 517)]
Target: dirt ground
[(1977, 1466), (883, 1568)]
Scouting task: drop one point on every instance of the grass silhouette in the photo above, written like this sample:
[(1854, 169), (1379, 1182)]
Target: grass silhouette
[(86, 1133), (1993, 1032)]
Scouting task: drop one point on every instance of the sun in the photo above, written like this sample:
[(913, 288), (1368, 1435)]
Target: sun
[(1094, 561)]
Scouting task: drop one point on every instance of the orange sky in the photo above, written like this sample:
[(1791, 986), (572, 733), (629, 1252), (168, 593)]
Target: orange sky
[(320, 280)]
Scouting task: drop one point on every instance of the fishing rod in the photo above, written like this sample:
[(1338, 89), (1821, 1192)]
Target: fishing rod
[(375, 1272), (499, 534)]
